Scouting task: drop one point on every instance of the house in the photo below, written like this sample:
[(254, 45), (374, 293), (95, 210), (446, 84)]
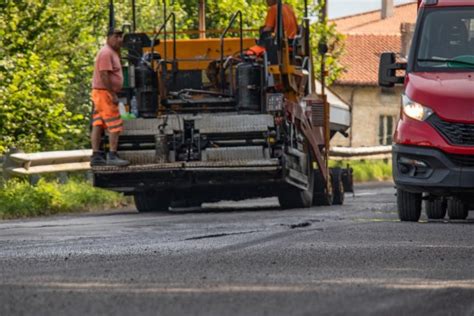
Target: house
[(375, 110)]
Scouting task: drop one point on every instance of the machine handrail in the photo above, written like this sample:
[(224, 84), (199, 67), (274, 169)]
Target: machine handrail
[(231, 23)]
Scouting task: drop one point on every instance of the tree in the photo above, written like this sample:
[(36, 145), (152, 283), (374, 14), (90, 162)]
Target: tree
[(44, 59), (325, 32)]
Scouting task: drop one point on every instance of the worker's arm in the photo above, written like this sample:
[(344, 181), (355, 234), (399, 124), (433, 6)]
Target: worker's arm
[(105, 77)]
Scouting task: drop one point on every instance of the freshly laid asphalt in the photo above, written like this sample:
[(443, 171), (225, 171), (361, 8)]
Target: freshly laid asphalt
[(246, 258)]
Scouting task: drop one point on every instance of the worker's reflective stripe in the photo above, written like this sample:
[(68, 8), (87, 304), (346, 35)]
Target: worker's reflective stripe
[(115, 126), (96, 119), (110, 120)]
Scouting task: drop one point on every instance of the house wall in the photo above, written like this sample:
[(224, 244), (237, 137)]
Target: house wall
[(369, 104)]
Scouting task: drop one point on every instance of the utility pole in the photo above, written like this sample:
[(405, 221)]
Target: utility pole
[(134, 16), (111, 15), (323, 49), (324, 7), (323, 43), (202, 18)]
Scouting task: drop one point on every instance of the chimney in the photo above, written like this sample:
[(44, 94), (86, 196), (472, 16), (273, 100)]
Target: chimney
[(407, 30), (387, 9)]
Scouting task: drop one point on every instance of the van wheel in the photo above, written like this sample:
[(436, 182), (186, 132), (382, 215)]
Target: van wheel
[(435, 209), (337, 186), (457, 209), (147, 202), (409, 206)]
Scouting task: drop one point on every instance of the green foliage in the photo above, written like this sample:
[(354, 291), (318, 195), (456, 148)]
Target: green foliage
[(45, 66), (20, 199), (367, 170)]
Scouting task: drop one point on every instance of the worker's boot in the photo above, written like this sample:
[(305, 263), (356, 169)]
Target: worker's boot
[(98, 159), (113, 159)]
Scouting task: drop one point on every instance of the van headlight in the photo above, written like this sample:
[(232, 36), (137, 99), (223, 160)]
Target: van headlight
[(415, 110)]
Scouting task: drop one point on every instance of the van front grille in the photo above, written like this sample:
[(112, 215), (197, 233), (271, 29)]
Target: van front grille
[(455, 133), (461, 160)]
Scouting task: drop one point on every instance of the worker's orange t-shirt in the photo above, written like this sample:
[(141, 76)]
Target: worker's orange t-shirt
[(290, 22), (108, 60)]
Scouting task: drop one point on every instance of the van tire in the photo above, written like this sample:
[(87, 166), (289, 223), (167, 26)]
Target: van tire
[(409, 206), (457, 209), (435, 209)]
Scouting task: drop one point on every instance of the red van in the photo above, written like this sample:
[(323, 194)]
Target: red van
[(433, 151)]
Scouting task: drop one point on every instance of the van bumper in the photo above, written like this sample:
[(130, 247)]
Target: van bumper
[(422, 169)]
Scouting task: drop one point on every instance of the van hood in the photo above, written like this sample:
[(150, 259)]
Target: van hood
[(449, 95)]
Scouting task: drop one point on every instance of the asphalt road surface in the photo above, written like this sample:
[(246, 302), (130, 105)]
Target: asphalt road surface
[(240, 259)]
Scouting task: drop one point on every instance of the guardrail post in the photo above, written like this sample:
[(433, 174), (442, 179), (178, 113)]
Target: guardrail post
[(34, 179), (63, 177), (2, 161), (9, 164), (90, 177)]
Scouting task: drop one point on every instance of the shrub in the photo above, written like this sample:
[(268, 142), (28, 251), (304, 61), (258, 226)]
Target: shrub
[(18, 198), (367, 170)]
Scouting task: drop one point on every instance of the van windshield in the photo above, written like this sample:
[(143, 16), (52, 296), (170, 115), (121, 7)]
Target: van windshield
[(446, 40)]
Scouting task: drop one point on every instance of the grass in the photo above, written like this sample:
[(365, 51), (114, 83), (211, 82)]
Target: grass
[(20, 199), (367, 170)]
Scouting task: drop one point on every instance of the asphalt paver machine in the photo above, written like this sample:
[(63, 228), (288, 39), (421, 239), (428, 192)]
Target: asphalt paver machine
[(217, 121)]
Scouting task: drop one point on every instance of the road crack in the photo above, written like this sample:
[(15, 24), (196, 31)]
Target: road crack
[(221, 235), (298, 225)]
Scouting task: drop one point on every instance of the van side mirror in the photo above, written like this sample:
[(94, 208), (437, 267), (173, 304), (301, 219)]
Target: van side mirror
[(388, 70)]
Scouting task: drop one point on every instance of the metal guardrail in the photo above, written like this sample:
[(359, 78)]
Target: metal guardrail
[(361, 153), (21, 164)]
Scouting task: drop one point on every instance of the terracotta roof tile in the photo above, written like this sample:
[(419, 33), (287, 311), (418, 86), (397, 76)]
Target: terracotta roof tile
[(361, 60), (372, 23), (367, 36)]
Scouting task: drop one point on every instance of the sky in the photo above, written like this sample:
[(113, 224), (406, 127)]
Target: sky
[(340, 8)]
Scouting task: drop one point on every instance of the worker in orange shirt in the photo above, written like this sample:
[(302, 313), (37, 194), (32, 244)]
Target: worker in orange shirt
[(290, 22), (106, 83), (290, 25)]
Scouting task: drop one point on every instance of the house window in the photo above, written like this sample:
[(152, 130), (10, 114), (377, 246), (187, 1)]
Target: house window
[(386, 129)]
